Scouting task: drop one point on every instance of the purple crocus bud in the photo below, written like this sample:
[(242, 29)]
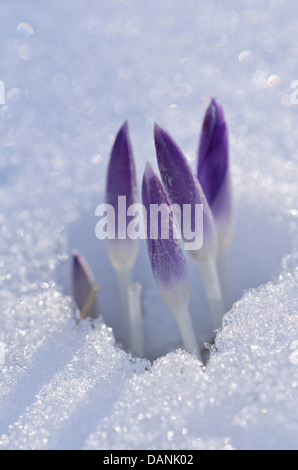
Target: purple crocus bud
[(184, 189), (121, 195), (166, 256), (121, 192), (121, 178), (84, 288), (165, 253), (213, 170)]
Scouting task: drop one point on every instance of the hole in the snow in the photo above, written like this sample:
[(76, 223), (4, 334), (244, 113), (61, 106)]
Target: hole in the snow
[(160, 331), (258, 247)]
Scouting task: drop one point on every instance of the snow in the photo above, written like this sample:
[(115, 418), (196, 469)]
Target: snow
[(72, 75)]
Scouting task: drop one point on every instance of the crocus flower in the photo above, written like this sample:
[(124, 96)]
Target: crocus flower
[(166, 256), (183, 187), (213, 170), (214, 176), (121, 193), (121, 183), (84, 289)]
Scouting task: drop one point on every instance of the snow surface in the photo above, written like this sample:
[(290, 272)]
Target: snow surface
[(72, 76)]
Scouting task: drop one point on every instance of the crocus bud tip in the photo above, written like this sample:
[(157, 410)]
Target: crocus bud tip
[(123, 132), (217, 110), (149, 172), (159, 133), (75, 257), (124, 126), (156, 127)]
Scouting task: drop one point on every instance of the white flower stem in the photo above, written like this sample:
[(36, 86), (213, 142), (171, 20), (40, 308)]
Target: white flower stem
[(135, 317), (213, 292), (223, 266), (182, 317), (124, 277)]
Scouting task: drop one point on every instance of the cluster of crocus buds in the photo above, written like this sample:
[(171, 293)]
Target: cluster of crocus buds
[(179, 187)]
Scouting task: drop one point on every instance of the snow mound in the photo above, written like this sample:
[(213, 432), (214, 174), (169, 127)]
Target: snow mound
[(72, 388)]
